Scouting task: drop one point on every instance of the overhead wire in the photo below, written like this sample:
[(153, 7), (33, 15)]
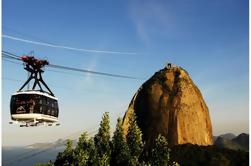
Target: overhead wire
[(11, 61), (10, 57), (91, 72), (23, 34), (70, 89), (11, 79), (59, 86), (13, 56), (65, 47), (50, 70)]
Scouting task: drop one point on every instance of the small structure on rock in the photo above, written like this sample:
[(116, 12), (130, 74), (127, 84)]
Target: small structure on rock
[(168, 65)]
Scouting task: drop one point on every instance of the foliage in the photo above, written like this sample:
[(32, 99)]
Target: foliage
[(102, 140), (160, 153), (101, 151), (93, 158), (134, 140), (85, 150), (120, 151), (67, 157), (126, 150), (189, 154)]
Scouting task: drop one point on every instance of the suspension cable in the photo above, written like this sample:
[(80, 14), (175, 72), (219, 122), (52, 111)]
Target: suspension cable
[(13, 56)]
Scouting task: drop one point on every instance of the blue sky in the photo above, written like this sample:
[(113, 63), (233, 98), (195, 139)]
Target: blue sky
[(207, 38)]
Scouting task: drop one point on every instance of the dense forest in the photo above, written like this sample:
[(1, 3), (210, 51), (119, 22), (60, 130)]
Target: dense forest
[(120, 149), (194, 155)]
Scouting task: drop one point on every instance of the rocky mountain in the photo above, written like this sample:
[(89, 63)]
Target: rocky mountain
[(57, 143), (169, 103), (226, 143), (228, 136), (17, 156), (240, 142), (34, 153)]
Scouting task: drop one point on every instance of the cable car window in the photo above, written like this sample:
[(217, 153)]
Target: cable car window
[(56, 104), (44, 101), (20, 104), (31, 105), (44, 110)]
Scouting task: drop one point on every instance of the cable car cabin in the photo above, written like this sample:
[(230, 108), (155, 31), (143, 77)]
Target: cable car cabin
[(34, 107)]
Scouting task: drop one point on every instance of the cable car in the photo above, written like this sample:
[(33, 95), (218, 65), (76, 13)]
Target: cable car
[(34, 107)]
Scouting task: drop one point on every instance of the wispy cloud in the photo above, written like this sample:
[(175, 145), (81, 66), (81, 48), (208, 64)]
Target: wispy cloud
[(66, 47), (91, 66), (150, 17)]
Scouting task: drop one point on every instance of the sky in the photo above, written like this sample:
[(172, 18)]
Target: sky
[(207, 38)]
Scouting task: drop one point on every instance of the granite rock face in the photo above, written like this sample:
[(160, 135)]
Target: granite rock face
[(169, 103)]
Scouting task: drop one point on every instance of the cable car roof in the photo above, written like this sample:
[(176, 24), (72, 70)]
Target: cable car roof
[(35, 92)]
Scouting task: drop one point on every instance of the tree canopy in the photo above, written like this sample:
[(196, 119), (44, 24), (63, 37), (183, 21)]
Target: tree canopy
[(121, 150)]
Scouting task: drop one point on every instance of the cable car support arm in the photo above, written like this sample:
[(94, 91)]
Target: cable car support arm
[(34, 66)]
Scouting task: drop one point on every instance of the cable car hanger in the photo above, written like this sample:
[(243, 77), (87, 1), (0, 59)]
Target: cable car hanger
[(33, 107), (34, 66)]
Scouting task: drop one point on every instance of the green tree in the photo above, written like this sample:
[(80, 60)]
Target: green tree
[(69, 147), (219, 159), (120, 154), (160, 152), (83, 149), (93, 157), (86, 153), (67, 157), (83, 142), (102, 140), (134, 140)]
